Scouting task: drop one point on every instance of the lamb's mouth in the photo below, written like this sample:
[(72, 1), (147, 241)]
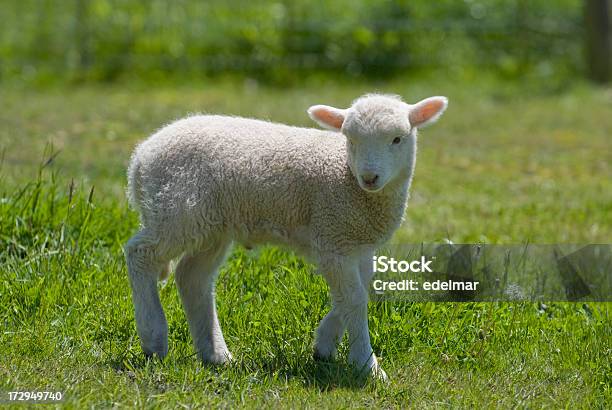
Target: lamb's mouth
[(371, 187)]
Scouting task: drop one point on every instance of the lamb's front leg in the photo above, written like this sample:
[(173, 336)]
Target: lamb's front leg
[(329, 333), (332, 327), (350, 299)]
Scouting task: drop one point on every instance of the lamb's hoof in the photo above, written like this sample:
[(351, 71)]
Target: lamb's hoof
[(373, 370), (155, 355), (156, 350), (377, 373), (218, 358), (320, 357)]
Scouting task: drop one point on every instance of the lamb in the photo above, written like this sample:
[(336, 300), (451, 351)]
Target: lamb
[(206, 181)]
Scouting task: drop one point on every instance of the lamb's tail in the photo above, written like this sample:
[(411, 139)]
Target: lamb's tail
[(135, 198), (134, 190)]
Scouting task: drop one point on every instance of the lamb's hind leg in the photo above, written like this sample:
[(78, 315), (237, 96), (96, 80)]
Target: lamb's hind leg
[(145, 268), (195, 278)]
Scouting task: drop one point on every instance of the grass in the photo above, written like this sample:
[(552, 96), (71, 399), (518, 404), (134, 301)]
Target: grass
[(502, 166)]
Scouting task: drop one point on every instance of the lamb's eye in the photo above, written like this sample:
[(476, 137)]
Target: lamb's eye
[(397, 140)]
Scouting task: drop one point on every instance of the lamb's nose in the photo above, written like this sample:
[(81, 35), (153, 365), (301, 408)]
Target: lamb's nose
[(369, 178)]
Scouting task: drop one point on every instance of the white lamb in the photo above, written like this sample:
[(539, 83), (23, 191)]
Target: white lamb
[(206, 181)]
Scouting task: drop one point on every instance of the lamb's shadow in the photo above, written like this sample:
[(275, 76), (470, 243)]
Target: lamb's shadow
[(125, 363), (323, 375), (330, 375)]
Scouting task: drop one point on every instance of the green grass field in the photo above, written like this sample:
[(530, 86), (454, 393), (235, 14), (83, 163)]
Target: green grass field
[(504, 165)]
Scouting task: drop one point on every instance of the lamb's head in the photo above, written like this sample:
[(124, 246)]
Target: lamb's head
[(381, 135)]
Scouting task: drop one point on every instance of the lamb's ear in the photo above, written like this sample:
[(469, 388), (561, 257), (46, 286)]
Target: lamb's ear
[(327, 117), (427, 111)]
